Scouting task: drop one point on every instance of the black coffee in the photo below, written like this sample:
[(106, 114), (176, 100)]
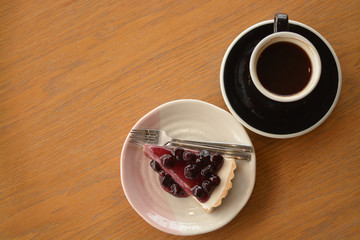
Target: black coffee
[(284, 68)]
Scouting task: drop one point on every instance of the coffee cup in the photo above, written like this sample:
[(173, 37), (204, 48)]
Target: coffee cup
[(285, 66)]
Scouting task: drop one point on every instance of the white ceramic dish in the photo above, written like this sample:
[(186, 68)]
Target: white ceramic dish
[(190, 119)]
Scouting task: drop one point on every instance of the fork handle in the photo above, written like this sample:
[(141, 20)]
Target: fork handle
[(220, 145)]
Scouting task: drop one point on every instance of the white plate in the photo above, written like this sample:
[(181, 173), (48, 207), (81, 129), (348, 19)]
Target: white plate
[(188, 119)]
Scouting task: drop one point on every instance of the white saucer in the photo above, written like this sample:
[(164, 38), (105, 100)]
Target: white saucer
[(196, 120)]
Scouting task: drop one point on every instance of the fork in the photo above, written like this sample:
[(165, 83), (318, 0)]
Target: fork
[(160, 137)]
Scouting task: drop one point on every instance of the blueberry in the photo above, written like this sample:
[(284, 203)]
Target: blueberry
[(176, 190), (155, 165), (162, 173), (204, 155), (179, 152), (198, 191), (191, 171), (168, 160), (215, 180), (189, 156), (217, 160), (167, 180), (206, 185), (207, 171), (203, 159), (199, 162), (202, 162)]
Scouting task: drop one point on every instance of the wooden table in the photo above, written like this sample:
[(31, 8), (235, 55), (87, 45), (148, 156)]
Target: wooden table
[(75, 76)]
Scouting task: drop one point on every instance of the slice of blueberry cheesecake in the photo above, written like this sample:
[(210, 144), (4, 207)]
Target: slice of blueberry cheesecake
[(182, 172)]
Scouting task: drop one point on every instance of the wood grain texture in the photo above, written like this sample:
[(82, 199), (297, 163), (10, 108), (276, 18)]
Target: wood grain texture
[(75, 76)]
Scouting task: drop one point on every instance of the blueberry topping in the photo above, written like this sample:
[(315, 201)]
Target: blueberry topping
[(168, 160), (176, 190), (200, 169), (207, 171), (204, 155), (199, 162), (198, 191), (189, 156), (191, 171), (202, 162), (179, 152), (217, 160), (155, 165), (206, 185), (215, 180), (167, 180)]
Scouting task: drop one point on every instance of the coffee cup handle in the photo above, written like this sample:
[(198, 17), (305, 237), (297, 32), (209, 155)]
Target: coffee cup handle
[(281, 22)]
